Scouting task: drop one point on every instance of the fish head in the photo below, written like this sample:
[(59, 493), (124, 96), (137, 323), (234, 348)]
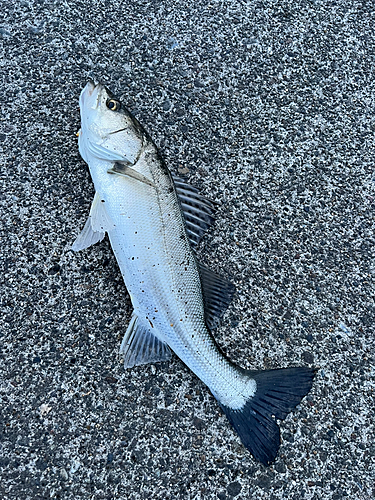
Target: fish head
[(108, 131)]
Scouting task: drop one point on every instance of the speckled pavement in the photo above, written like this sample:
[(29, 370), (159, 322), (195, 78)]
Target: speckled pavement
[(268, 108)]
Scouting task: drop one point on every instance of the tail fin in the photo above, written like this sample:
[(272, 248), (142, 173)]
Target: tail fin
[(277, 393)]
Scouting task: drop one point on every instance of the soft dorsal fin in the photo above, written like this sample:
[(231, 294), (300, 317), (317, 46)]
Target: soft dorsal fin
[(140, 346), (217, 294), (198, 210)]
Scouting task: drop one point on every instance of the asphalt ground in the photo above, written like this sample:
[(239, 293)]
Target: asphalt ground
[(268, 108)]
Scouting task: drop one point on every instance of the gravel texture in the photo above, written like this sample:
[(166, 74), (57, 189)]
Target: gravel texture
[(268, 107)]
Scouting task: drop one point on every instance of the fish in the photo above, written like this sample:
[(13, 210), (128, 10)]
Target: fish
[(154, 221)]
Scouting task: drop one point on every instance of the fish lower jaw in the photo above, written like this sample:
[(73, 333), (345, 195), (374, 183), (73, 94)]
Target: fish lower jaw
[(237, 395)]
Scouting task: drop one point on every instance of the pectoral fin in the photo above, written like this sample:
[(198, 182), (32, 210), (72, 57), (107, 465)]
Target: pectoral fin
[(96, 225), (140, 346), (121, 168)]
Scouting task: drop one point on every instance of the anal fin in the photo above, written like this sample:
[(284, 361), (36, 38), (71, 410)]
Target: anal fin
[(140, 346)]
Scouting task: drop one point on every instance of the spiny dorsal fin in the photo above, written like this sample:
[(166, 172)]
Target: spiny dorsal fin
[(198, 210), (140, 346)]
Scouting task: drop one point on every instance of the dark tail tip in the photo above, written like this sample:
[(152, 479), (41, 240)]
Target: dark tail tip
[(277, 393)]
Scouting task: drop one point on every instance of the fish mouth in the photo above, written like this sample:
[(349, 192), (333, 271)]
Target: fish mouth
[(90, 95), (90, 87)]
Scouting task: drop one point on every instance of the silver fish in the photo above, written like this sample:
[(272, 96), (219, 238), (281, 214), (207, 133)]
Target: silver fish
[(154, 221)]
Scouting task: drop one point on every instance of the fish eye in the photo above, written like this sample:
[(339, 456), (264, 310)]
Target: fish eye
[(113, 105)]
